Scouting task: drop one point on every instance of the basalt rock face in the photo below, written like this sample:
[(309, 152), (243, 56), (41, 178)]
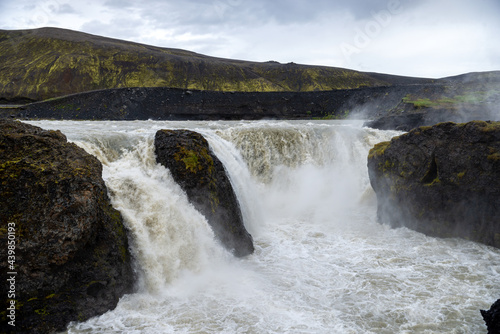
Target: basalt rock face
[(160, 103), (492, 318), (71, 255), (202, 176), (442, 180)]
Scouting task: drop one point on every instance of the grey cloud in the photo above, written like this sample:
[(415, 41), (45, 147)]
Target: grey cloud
[(119, 3), (200, 15), (123, 28), (307, 31), (65, 9)]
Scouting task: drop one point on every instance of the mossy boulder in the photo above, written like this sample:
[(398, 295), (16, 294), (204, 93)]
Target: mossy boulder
[(202, 176), (70, 256), (442, 180)]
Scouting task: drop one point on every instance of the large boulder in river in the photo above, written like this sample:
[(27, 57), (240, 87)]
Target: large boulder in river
[(492, 318), (442, 180), (68, 251), (202, 176)]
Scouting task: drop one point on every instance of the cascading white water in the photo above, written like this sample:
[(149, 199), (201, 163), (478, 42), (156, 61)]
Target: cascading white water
[(322, 263)]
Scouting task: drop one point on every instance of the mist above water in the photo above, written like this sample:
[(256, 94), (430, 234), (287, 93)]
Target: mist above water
[(322, 263)]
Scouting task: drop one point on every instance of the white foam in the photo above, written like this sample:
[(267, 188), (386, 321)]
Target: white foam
[(322, 263)]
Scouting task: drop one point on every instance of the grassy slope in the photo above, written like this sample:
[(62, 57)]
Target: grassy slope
[(467, 92), (43, 63)]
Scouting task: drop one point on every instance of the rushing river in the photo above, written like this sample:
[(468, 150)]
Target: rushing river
[(322, 263)]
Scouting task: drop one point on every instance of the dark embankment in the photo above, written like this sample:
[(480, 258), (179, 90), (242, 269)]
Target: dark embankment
[(442, 180), (463, 98), (69, 256), (179, 104), (391, 107)]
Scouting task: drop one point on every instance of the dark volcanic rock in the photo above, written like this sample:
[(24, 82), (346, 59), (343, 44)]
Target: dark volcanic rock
[(71, 252), (492, 318), (399, 122), (158, 103), (414, 119), (443, 180), (202, 176)]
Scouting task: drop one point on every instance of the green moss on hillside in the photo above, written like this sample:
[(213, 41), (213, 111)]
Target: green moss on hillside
[(469, 96), (44, 63)]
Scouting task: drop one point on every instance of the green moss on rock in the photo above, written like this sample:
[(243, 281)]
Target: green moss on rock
[(67, 233), (441, 180), (202, 176), (378, 149)]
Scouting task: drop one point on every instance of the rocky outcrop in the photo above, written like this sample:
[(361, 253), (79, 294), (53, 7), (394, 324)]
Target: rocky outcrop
[(68, 252), (464, 98), (430, 116), (492, 318), (202, 176), (398, 122), (442, 180), (412, 120)]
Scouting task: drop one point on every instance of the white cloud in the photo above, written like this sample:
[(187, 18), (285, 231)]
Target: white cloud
[(420, 38)]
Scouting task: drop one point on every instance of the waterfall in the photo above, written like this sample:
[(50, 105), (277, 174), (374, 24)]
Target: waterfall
[(322, 263)]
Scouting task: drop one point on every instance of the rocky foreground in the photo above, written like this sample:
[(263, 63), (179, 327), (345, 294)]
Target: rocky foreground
[(67, 256), (442, 180), (492, 318), (68, 250)]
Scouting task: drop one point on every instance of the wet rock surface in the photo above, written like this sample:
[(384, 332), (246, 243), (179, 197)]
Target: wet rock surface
[(492, 318), (202, 176), (442, 180), (72, 260)]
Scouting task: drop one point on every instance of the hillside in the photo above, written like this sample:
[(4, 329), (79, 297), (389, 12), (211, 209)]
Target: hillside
[(48, 62), (83, 76)]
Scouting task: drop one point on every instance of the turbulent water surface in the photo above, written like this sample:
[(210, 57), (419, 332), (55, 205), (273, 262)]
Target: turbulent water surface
[(322, 263)]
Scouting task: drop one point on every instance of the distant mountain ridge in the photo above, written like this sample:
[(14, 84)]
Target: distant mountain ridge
[(44, 63)]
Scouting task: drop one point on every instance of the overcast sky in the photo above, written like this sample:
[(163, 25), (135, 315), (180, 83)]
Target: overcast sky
[(424, 38)]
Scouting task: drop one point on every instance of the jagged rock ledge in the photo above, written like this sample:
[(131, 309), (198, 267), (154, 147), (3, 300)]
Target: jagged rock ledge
[(442, 180), (202, 176), (70, 250)]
